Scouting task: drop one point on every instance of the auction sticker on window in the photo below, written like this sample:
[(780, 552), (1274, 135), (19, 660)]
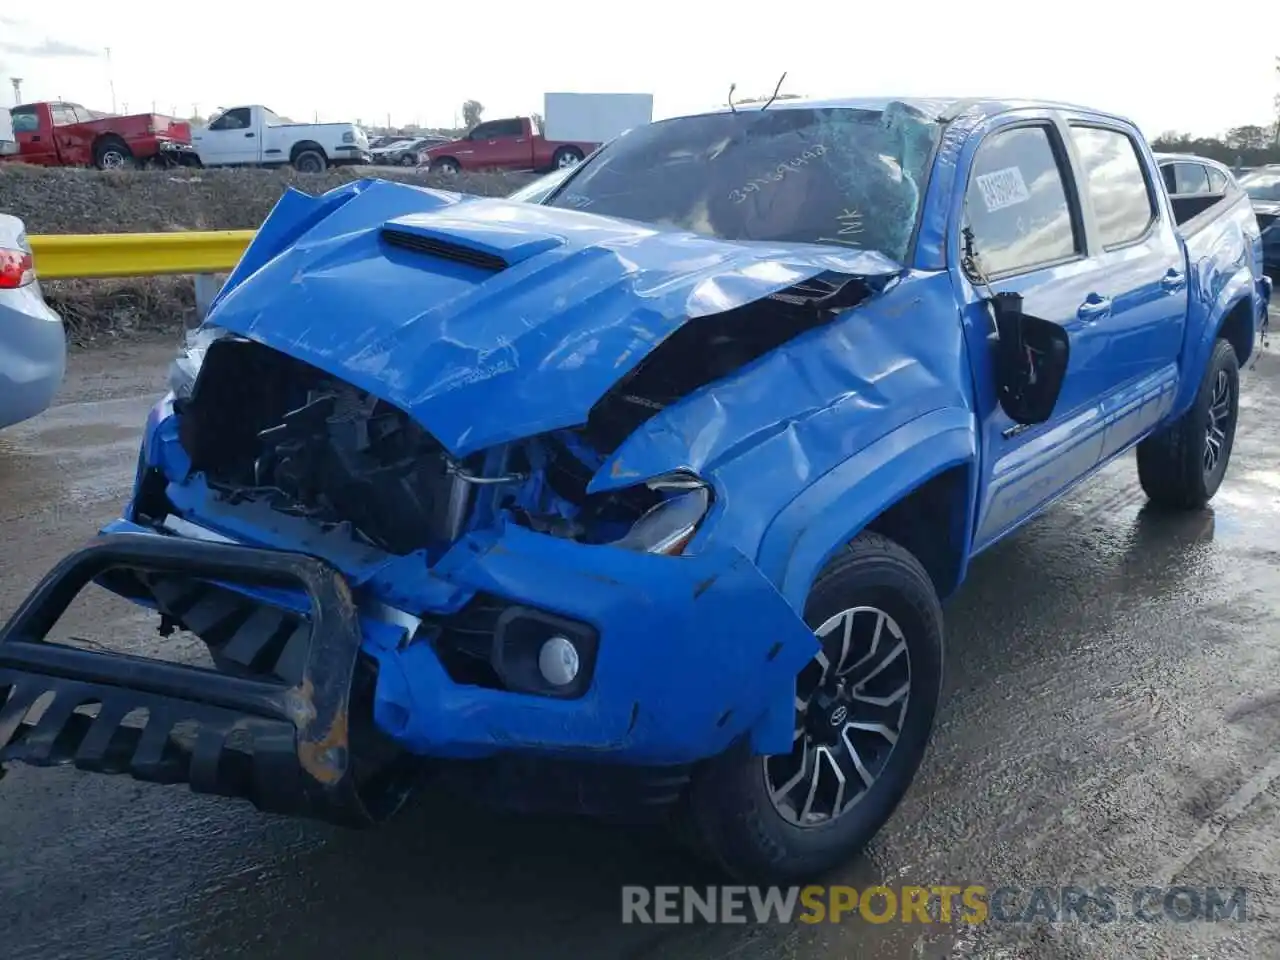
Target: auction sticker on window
[(1003, 188)]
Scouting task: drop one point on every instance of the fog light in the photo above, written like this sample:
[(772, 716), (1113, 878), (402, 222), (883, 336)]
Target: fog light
[(558, 661)]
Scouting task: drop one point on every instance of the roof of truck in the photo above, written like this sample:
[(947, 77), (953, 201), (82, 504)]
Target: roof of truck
[(943, 109)]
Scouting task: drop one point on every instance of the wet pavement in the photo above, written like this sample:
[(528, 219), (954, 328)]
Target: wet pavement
[(1111, 717)]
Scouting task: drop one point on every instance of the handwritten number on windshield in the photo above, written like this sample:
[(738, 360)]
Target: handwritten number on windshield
[(794, 164), (850, 224)]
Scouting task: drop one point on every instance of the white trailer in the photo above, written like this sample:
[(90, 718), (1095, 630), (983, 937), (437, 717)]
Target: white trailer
[(594, 117)]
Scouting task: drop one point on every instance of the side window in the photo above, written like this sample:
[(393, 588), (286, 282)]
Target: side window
[(25, 120), (484, 131), (1122, 199), (1016, 202), (507, 128), (1217, 181), (1170, 178), (63, 114), (1191, 179), (237, 119)]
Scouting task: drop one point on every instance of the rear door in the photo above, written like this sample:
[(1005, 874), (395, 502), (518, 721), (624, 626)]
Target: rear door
[(1026, 226), (1140, 276)]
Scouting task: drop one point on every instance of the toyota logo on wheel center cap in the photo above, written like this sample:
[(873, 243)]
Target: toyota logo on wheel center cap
[(838, 715)]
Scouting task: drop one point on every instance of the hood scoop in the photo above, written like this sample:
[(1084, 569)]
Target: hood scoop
[(488, 243)]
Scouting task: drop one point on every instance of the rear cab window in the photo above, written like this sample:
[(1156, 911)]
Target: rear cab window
[(25, 120), (1018, 202), (1123, 201)]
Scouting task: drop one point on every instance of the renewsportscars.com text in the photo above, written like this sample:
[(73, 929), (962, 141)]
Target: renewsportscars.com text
[(934, 904)]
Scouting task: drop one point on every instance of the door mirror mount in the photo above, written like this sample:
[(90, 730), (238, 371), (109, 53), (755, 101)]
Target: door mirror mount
[(1031, 361)]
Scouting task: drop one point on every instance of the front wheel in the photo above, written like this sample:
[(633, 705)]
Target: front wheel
[(1182, 466), (446, 167), (864, 713)]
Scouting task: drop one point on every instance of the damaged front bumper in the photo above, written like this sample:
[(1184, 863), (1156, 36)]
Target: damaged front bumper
[(285, 747), (687, 655)]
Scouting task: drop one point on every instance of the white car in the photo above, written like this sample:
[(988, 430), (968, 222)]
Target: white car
[(33, 344), (253, 136)]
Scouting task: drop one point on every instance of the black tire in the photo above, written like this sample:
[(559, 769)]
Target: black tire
[(310, 161), (1174, 465), (729, 810), (566, 157), (408, 160), (112, 153), (446, 166)]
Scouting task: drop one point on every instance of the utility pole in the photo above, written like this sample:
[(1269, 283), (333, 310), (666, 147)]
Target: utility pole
[(111, 81), (17, 89), (1277, 103)]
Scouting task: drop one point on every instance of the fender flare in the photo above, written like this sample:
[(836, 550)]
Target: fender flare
[(837, 507), (1240, 287)]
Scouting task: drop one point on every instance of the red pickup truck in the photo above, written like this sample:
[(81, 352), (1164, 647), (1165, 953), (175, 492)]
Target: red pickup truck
[(64, 134), (512, 144)]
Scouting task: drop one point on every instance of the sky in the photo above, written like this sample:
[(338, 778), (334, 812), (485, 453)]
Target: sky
[(416, 62)]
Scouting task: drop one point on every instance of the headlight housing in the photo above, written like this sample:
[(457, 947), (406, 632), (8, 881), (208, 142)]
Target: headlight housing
[(667, 527), (186, 365)]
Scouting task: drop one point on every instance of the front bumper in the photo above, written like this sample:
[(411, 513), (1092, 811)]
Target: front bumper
[(691, 653), (285, 747)]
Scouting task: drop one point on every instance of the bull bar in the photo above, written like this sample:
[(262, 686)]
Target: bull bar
[(286, 749)]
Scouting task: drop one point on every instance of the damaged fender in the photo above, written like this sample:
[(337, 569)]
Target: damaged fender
[(694, 653)]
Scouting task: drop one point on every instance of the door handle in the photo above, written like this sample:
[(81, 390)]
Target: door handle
[(36, 138), (250, 134), (1095, 307), (1174, 280)]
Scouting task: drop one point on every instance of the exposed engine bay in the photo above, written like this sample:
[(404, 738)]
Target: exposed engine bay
[(265, 427)]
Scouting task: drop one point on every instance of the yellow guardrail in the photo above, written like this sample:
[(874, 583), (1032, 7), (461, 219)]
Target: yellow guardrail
[(97, 255)]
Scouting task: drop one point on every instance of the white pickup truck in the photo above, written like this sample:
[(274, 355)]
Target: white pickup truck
[(254, 136)]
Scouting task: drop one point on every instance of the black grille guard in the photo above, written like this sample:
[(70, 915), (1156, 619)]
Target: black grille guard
[(285, 748)]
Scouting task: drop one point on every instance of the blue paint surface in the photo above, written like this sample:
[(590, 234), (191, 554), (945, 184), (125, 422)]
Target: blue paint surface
[(803, 447)]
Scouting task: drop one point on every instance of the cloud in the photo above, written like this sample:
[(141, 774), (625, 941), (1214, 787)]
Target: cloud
[(47, 48)]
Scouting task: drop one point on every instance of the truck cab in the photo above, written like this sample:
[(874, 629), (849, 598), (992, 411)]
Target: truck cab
[(514, 143), (256, 136)]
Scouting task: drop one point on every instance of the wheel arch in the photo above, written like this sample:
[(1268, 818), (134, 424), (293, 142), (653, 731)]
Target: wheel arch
[(303, 146), (103, 139), (1230, 318), (902, 486)]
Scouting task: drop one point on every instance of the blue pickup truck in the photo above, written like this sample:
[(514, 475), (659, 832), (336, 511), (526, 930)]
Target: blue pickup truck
[(641, 499)]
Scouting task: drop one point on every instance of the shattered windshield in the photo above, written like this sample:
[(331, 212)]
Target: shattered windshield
[(838, 175)]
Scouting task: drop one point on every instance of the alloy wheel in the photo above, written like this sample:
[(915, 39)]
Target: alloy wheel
[(1215, 434), (851, 703)]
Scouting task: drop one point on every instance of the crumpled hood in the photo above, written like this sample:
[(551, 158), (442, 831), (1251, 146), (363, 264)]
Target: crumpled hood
[(489, 320)]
